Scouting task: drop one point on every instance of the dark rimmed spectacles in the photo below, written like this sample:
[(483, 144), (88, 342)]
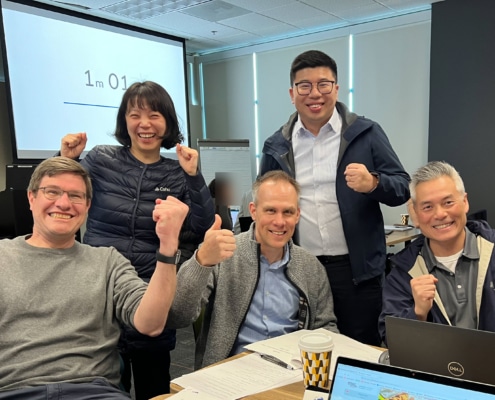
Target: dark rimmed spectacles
[(305, 88), (55, 193)]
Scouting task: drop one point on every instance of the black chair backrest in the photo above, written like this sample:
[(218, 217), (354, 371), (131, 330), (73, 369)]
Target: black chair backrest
[(480, 214)]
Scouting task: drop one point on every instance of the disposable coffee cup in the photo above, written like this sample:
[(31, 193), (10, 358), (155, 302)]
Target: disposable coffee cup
[(404, 219), (316, 355)]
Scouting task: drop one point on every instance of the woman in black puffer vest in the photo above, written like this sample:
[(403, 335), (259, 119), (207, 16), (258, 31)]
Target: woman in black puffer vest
[(127, 179)]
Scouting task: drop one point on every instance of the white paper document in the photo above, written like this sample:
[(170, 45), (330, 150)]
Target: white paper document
[(238, 378), (313, 395), (282, 347), (252, 374), (286, 349), (191, 394)]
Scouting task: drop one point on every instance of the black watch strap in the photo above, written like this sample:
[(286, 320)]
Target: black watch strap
[(168, 259)]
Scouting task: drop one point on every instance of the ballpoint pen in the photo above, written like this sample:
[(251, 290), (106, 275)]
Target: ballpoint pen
[(275, 360)]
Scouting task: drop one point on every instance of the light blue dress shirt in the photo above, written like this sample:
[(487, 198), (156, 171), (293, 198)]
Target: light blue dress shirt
[(274, 308)]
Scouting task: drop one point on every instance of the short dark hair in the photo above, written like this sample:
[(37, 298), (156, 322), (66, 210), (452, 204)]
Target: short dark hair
[(312, 59), (56, 166), (154, 96)]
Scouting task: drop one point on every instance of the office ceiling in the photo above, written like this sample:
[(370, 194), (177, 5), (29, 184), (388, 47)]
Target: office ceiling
[(214, 25)]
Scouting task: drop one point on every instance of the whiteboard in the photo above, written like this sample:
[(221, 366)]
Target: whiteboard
[(231, 157)]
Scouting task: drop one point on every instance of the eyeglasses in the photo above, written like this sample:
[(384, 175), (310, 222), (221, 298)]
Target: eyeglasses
[(55, 193), (305, 88)]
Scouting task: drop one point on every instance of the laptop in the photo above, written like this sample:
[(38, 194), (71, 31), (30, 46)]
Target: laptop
[(441, 349), (358, 380), (234, 212)]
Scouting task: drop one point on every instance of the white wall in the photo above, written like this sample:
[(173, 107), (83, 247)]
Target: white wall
[(390, 85), (228, 88)]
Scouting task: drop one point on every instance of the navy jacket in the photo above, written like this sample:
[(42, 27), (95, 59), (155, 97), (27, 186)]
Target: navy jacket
[(363, 141), (124, 193), (124, 196), (397, 295)]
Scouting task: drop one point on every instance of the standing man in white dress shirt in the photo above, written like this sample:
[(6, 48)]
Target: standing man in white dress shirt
[(346, 167)]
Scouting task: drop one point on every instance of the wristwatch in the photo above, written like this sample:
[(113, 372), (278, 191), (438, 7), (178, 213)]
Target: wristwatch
[(168, 259), (375, 174)]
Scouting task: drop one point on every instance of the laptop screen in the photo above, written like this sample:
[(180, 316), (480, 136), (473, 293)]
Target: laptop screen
[(234, 212), (354, 379)]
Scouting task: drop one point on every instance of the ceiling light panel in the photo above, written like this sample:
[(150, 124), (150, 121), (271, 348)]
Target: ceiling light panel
[(261, 5), (145, 9), (216, 10)]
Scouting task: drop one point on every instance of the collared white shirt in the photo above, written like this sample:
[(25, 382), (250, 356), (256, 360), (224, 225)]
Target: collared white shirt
[(320, 224)]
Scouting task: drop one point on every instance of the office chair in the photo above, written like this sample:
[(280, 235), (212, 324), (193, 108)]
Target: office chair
[(480, 215)]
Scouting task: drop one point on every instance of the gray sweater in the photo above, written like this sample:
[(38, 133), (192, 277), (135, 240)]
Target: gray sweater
[(228, 288), (60, 311)]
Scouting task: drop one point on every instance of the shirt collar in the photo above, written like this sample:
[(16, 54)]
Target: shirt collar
[(470, 251), (333, 126), (280, 263)]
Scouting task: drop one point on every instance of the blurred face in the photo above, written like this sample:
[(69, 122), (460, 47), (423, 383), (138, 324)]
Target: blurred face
[(225, 194), (146, 129), (57, 221), (315, 109), (276, 214), (441, 215)]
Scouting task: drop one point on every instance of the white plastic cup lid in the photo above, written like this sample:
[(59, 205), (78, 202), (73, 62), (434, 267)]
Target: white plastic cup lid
[(315, 342)]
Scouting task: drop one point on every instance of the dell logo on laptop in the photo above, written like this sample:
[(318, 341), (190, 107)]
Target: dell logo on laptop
[(455, 368)]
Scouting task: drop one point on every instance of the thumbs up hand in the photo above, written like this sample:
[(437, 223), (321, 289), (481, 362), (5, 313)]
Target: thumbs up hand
[(218, 245)]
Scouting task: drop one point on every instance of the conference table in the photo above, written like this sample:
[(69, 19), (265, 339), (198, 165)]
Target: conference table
[(397, 237), (293, 391)]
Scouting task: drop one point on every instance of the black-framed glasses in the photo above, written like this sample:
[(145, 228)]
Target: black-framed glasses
[(55, 193), (305, 88)]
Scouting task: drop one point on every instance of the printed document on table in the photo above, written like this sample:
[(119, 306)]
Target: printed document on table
[(286, 349), (238, 378), (191, 394)]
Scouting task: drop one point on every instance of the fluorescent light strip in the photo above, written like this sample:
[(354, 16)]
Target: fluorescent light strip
[(256, 130), (202, 94), (351, 73), (192, 84)]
